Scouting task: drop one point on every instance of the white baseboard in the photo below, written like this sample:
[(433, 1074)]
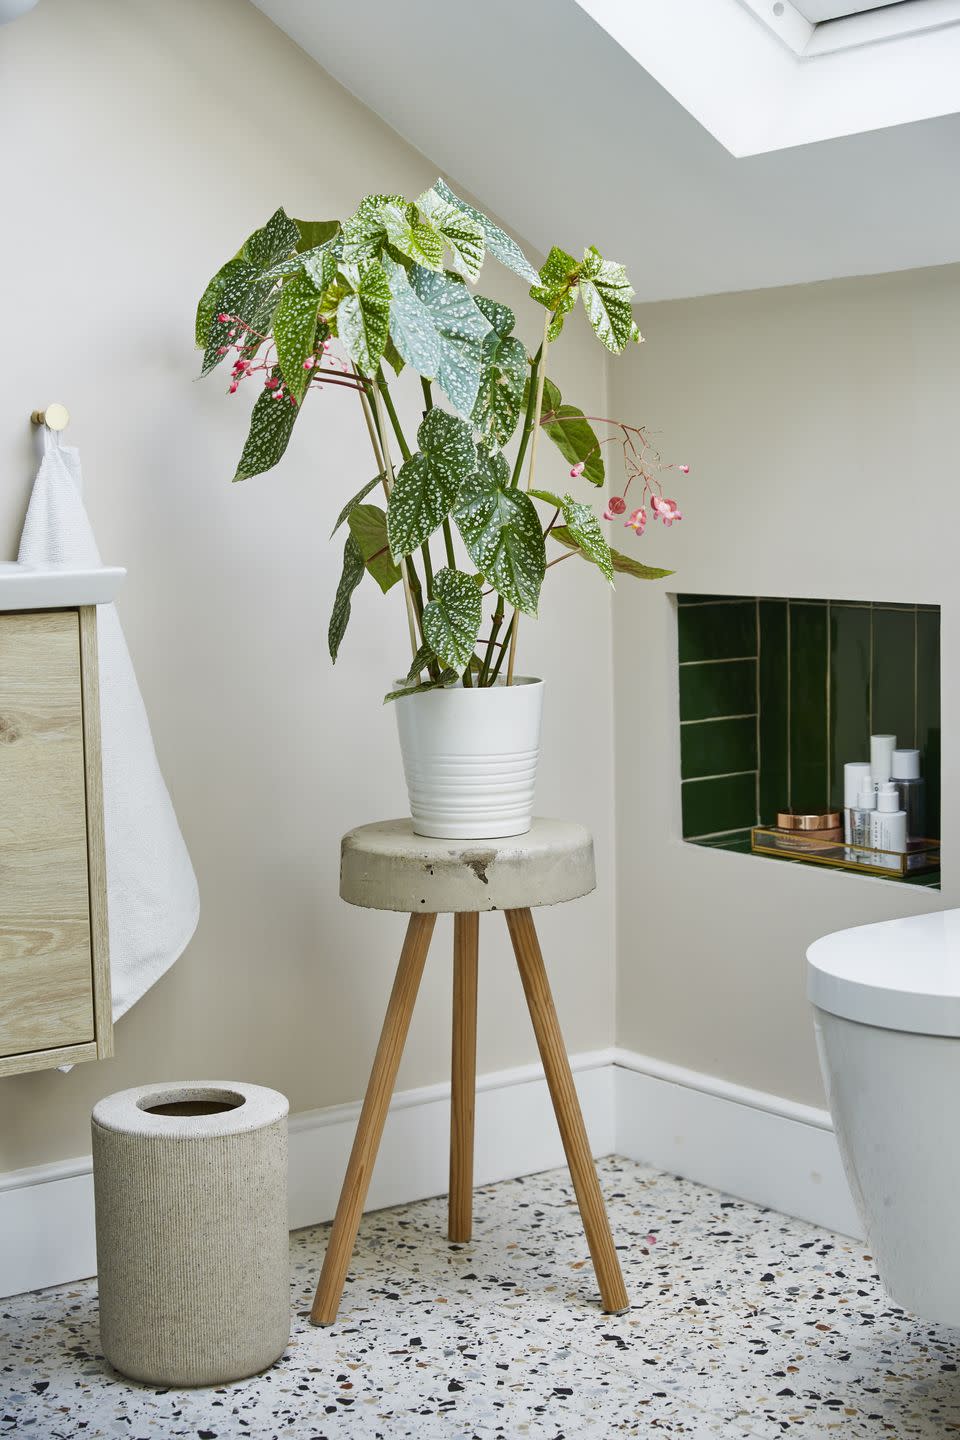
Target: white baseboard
[(46, 1211), (755, 1146)]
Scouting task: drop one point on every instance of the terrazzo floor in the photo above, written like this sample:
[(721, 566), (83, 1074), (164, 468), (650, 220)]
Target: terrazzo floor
[(743, 1323)]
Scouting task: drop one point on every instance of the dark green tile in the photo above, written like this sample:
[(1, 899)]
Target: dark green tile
[(712, 599), (893, 708), (728, 803), (717, 632), (849, 692), (718, 747), (773, 709), (928, 711), (807, 635), (738, 841), (726, 688)]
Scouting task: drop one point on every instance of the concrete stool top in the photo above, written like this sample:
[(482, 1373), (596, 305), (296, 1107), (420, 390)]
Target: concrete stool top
[(386, 866)]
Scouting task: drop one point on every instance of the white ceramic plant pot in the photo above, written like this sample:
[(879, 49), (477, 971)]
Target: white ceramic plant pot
[(470, 758)]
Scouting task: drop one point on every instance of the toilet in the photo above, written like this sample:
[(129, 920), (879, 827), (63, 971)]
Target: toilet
[(886, 1003)]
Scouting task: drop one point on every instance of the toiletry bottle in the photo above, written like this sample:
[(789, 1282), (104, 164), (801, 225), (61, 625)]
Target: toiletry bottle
[(888, 826), (881, 758), (856, 774), (861, 820), (913, 792)]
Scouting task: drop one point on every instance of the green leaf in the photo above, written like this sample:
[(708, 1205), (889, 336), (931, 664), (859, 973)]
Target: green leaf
[(320, 267), (238, 291), (413, 236), (500, 397), (294, 331), (558, 285), (572, 434), (501, 530), (451, 620), (501, 317), (365, 233), (363, 319), (273, 242), (586, 530), (499, 244), (271, 422), (461, 231), (316, 233), (607, 294), (448, 677), (350, 578), (622, 564), (368, 526), (393, 357), (207, 308), (420, 662), (548, 496), (411, 324), (460, 327), (360, 495), (427, 484)]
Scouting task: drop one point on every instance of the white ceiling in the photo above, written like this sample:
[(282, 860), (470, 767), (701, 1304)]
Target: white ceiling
[(536, 110)]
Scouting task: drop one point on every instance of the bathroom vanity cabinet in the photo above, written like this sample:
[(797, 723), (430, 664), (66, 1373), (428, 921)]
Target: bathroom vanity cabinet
[(54, 969)]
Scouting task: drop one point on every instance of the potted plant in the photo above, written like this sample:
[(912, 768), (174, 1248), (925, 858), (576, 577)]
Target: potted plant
[(305, 304)]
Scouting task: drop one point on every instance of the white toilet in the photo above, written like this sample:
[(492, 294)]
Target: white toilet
[(886, 1004)]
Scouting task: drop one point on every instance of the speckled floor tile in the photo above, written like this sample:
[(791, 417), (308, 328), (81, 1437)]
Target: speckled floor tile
[(744, 1325)]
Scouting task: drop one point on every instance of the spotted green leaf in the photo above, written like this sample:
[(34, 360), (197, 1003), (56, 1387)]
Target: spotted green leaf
[(361, 494), (319, 266), (460, 327), (368, 526), (582, 526), (572, 433), (272, 243), (364, 234), (294, 331), (271, 423), (451, 620), (501, 530), (501, 317), (500, 397), (622, 564), (413, 236), (499, 244), (448, 677), (461, 231), (239, 291), (411, 323), (558, 287), (607, 294), (423, 659), (427, 484), (363, 318), (350, 578)]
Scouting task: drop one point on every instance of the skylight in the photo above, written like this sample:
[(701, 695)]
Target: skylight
[(822, 27)]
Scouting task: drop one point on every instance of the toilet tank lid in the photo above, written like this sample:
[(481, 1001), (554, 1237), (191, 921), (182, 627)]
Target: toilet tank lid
[(898, 974)]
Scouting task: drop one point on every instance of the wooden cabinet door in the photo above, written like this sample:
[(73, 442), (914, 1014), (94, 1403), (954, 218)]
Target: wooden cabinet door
[(46, 982)]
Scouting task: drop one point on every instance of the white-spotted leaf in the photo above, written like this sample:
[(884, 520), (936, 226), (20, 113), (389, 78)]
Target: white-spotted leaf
[(350, 578), (427, 484), (501, 530), (607, 294), (271, 422), (499, 244), (294, 330), (363, 319), (451, 620), (622, 564), (411, 324), (360, 495), (460, 327), (461, 231)]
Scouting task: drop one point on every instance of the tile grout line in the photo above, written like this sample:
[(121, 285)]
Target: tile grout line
[(721, 775), (789, 715), (756, 622), (827, 685), (712, 719), (723, 660)]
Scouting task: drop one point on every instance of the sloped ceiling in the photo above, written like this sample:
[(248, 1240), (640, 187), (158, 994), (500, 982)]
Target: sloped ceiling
[(536, 110)]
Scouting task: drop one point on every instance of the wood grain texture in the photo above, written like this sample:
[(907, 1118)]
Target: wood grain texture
[(96, 855), (463, 1072), (536, 987), (47, 1059), (46, 993), (376, 1102)]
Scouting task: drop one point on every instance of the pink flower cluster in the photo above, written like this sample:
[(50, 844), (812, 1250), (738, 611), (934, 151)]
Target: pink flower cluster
[(242, 334), (663, 509)]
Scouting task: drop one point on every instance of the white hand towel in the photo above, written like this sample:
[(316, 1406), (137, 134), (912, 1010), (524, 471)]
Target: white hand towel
[(152, 898)]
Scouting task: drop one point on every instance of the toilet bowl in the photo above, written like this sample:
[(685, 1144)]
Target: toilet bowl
[(886, 1002)]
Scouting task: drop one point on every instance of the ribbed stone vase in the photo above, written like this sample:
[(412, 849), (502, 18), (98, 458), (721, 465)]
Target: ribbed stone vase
[(190, 1182)]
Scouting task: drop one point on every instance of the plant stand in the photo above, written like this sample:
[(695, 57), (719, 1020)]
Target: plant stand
[(387, 867)]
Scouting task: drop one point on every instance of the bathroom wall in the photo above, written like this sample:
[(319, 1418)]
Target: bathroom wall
[(819, 425), (143, 142)]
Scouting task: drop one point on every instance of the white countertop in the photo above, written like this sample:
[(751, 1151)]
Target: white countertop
[(50, 587)]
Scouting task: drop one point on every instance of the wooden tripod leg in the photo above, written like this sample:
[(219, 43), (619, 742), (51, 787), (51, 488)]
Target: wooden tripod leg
[(536, 987), (376, 1102), (466, 928)]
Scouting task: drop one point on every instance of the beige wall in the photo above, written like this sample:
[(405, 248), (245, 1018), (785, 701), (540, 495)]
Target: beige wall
[(820, 426), (142, 142)]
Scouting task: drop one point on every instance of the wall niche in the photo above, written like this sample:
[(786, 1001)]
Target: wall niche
[(777, 694)]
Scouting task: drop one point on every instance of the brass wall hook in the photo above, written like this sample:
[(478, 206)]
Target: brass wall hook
[(55, 417)]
